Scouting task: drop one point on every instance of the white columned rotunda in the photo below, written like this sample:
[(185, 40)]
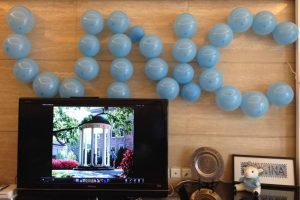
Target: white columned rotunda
[(94, 148)]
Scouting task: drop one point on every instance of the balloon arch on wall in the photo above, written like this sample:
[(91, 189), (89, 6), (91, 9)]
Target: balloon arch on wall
[(228, 98)]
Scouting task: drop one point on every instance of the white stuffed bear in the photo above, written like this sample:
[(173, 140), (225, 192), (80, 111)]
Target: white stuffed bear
[(250, 182)]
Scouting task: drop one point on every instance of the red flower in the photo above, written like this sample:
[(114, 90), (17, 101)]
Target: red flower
[(64, 164), (127, 162)]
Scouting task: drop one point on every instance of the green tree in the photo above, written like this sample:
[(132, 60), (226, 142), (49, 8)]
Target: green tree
[(119, 117), (64, 127)]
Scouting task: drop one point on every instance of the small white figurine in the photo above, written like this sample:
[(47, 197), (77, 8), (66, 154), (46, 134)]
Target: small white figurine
[(250, 182)]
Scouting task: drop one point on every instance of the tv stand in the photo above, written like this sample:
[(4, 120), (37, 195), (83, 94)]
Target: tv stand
[(75, 195), (122, 198), (115, 198), (105, 198), (82, 198)]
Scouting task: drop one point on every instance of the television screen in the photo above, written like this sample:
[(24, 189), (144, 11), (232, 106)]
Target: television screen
[(86, 142), (104, 146)]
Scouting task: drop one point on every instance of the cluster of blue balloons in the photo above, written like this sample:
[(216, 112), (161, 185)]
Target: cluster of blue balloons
[(45, 84), (150, 46), (120, 46), (86, 67), (17, 46), (121, 69), (184, 51), (21, 21), (228, 98), (263, 23)]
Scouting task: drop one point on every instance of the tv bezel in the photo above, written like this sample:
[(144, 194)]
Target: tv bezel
[(89, 189)]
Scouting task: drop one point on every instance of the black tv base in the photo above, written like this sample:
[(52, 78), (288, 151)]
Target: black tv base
[(73, 198), (37, 197), (76, 195)]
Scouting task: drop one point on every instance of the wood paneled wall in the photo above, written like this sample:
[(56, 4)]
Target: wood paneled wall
[(250, 63)]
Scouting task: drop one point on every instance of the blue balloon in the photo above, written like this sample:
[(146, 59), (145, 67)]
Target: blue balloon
[(118, 22), (71, 87), (25, 70), (119, 45), (121, 69), (89, 45), (208, 56), (20, 19), (191, 92), (240, 19), (228, 98), (185, 25), (183, 73), (280, 94), (285, 33), (17, 46), (167, 88), (118, 90), (254, 104), (184, 50), (150, 46), (211, 80), (92, 22), (46, 84), (156, 69), (220, 35), (136, 33), (264, 23), (86, 68)]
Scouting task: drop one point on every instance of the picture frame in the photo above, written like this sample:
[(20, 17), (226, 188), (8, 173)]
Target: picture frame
[(278, 194), (270, 193), (278, 171)]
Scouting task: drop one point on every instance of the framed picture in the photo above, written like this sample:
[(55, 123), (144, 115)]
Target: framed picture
[(269, 194), (276, 170), (278, 194)]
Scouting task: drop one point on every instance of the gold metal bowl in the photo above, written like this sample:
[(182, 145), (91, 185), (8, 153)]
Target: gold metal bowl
[(205, 194)]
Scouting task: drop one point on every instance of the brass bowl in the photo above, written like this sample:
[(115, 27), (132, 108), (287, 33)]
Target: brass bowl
[(205, 194)]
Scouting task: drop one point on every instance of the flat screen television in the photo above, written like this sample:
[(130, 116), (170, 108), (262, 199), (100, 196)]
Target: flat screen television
[(92, 147)]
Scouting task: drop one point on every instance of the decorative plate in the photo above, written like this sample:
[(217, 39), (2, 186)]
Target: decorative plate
[(208, 164)]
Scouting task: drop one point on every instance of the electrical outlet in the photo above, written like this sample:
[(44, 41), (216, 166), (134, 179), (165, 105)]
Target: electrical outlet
[(175, 173), (186, 173)]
